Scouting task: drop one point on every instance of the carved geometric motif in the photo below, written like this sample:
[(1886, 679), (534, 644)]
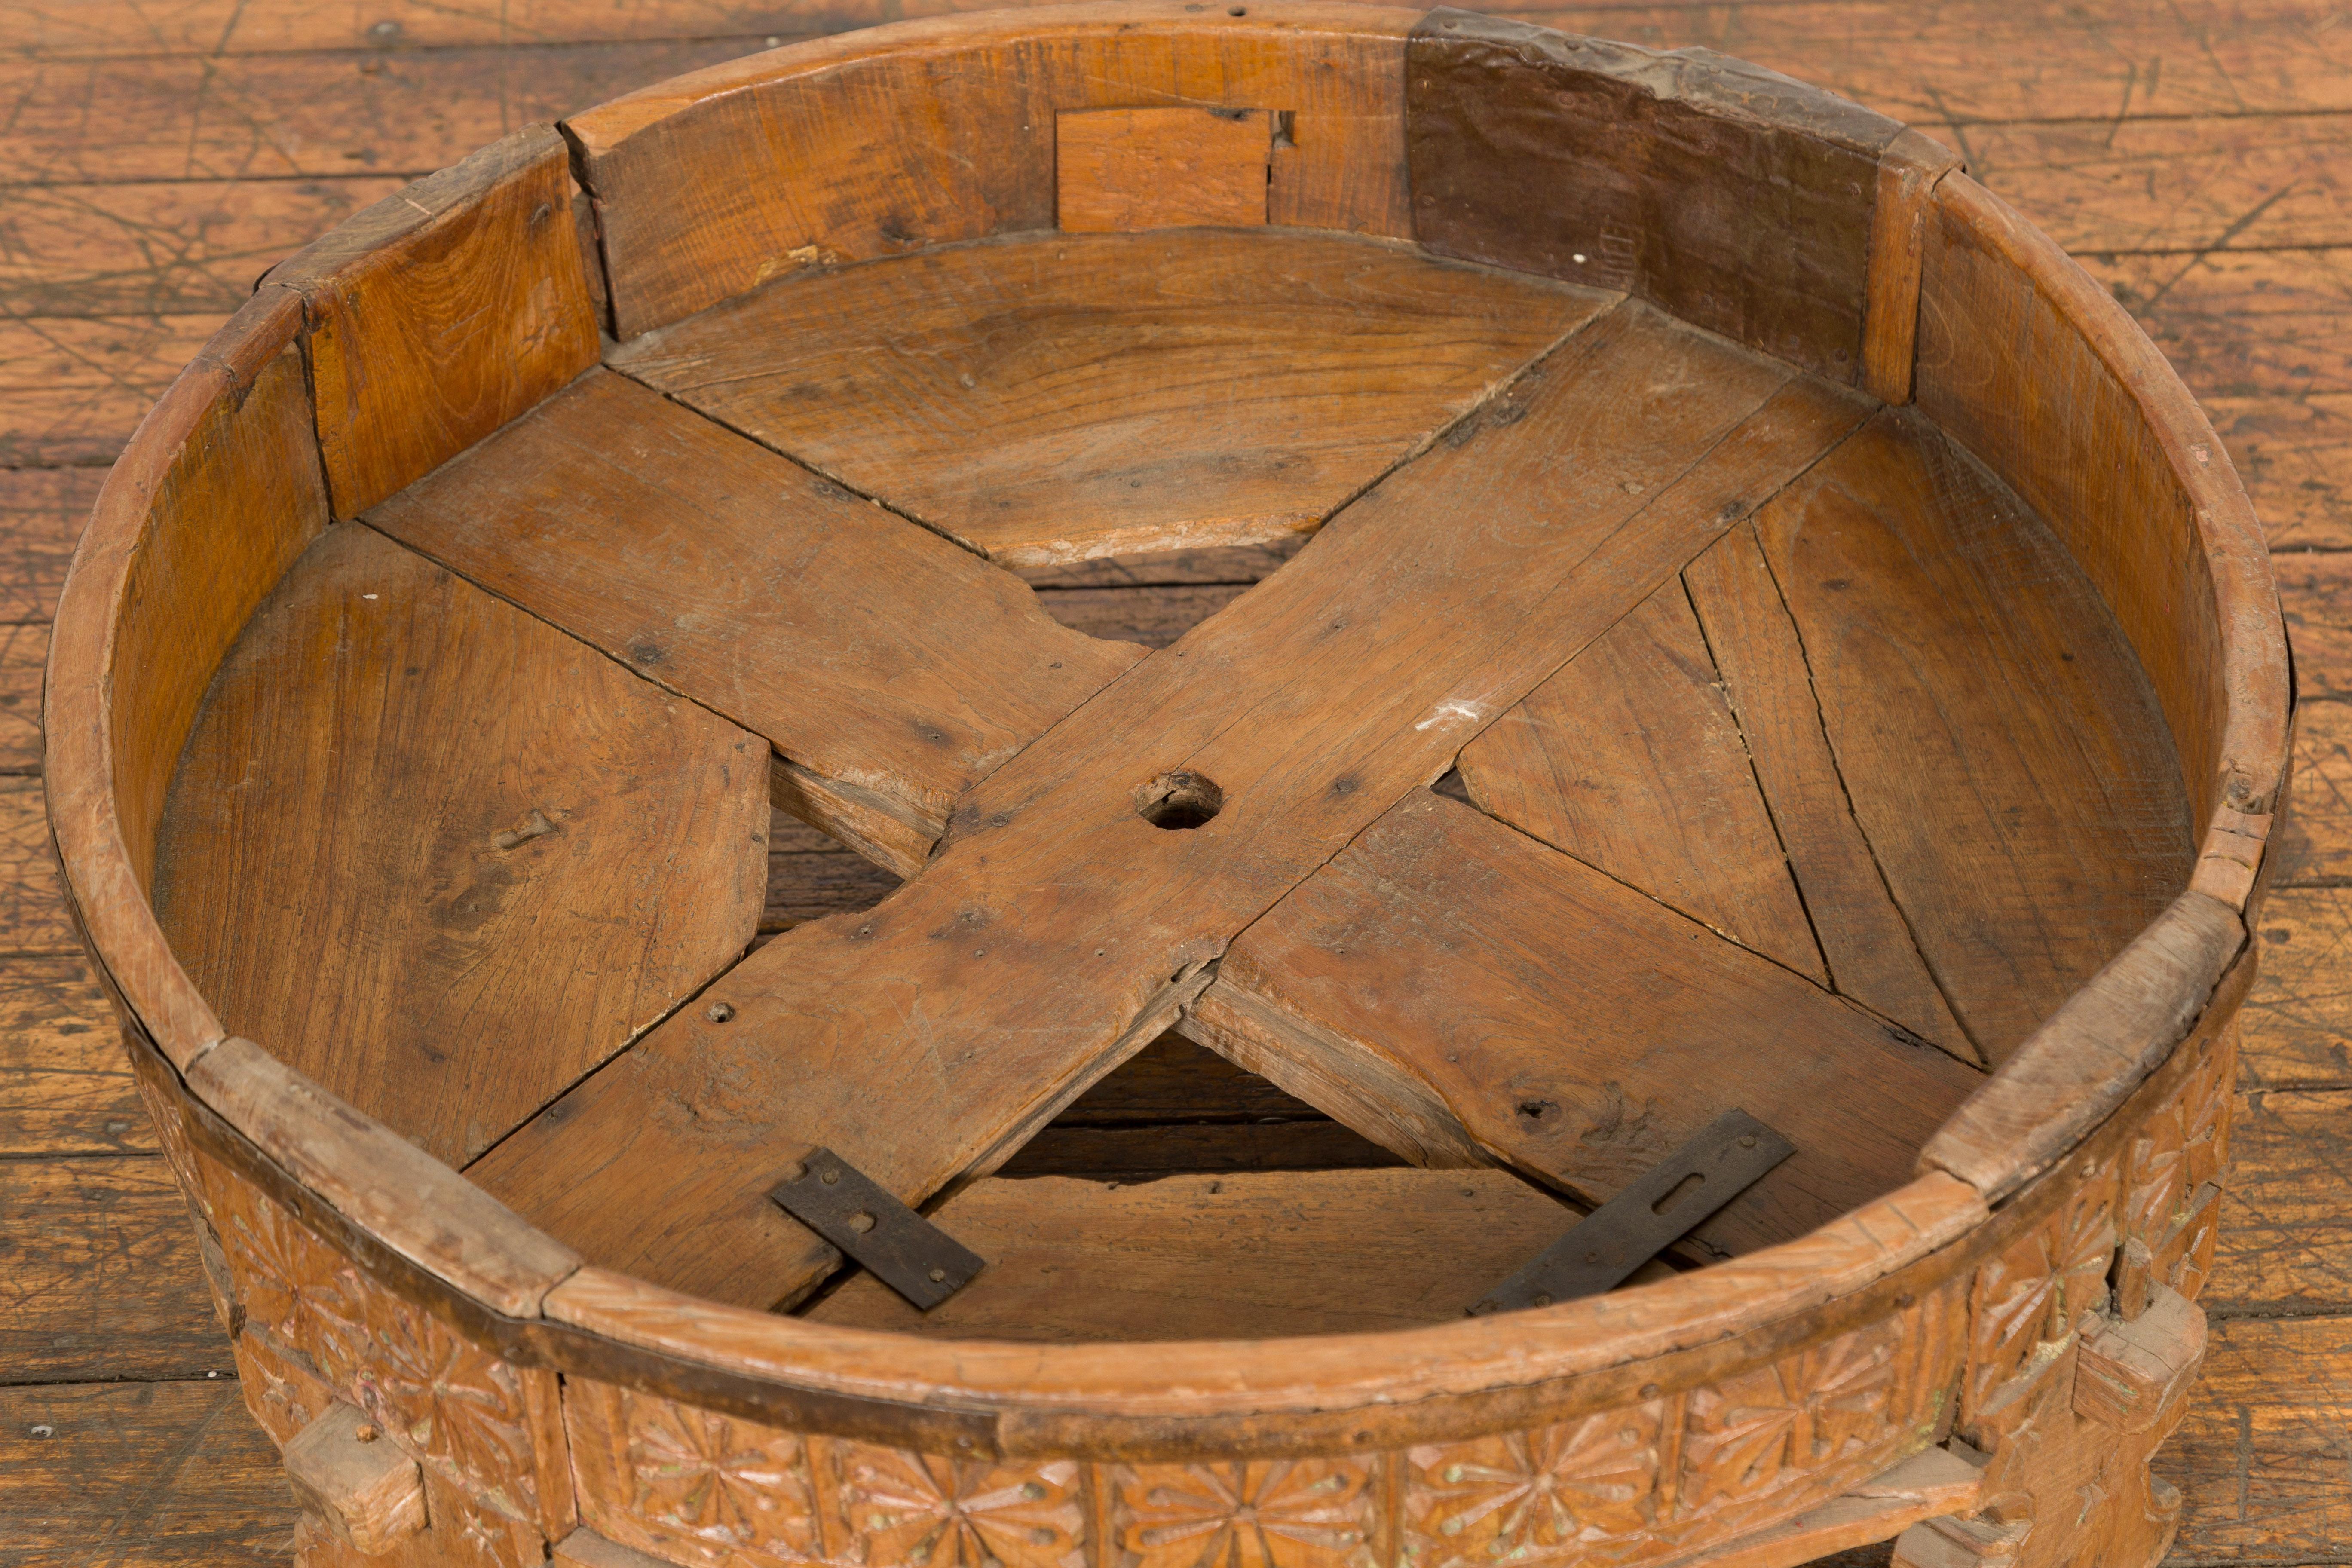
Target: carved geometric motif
[(1257, 1513), (1792, 1418), (659, 1475), (2040, 1288), (903, 1510), (461, 1409), (1532, 1496)]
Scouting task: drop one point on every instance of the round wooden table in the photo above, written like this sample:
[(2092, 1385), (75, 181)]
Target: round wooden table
[(1708, 677)]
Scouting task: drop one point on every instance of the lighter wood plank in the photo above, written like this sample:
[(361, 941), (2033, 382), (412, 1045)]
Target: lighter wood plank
[(1630, 760), (1564, 1025), (2313, 845), (859, 645), (2257, 1455), (2001, 748), (64, 1088), (1055, 397), (1861, 932), (2298, 1016), (1242, 1256), (462, 830), (921, 1056), (2285, 1243)]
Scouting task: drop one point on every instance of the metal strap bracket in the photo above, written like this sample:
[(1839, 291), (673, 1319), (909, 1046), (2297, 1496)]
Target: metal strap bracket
[(1658, 1209), (862, 1218)]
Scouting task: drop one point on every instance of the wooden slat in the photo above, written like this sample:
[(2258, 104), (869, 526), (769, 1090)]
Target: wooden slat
[(102, 1276), (1173, 1081), (1575, 496), (1153, 618), (463, 830), (2242, 322), (1565, 1025), (1247, 1256), (42, 513), (64, 1089), (1047, 399), (142, 1473), (1630, 760), (1227, 564), (33, 917), (2001, 748), (1736, 199), (2285, 1238), (2294, 454), (1152, 1153), (847, 150), (812, 874), (855, 643), (2298, 1016), (71, 390), (487, 251), (2316, 595), (2314, 845), (1861, 932)]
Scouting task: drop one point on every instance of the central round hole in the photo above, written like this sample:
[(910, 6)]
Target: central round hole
[(1180, 799)]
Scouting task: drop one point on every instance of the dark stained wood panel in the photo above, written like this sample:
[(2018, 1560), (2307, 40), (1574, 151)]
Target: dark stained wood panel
[(1738, 199), (1249, 1255), (1568, 1025), (1861, 934), (1630, 759), (2002, 750), (442, 859), (861, 646), (1048, 398)]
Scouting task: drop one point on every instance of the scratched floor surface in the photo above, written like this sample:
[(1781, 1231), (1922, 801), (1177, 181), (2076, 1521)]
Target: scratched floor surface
[(156, 154)]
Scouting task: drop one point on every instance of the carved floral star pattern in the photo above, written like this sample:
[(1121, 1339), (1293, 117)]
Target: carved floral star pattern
[(1533, 1497), (924, 1512), (457, 1408), (2039, 1288), (730, 1484), (1260, 1513)]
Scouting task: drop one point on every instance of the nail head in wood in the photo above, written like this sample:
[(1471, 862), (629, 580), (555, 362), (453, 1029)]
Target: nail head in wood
[(858, 1215)]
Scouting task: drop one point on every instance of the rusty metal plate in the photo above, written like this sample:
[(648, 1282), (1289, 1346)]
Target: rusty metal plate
[(1657, 1210), (903, 1249)]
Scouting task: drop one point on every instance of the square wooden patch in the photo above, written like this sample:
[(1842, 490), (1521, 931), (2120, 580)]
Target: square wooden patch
[(1123, 169)]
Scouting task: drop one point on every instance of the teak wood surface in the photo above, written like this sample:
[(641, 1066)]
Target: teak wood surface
[(2252, 1456)]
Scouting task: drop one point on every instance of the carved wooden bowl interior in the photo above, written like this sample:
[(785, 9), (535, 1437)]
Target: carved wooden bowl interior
[(1739, 622)]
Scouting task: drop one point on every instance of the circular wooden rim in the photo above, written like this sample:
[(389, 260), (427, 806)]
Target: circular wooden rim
[(2042, 1106)]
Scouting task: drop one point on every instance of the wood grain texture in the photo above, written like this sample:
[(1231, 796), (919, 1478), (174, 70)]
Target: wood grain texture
[(849, 149), (1736, 199), (2286, 1240), (2002, 750), (1120, 170), (1856, 923), (859, 645), (812, 874), (32, 895), (63, 1085), (1908, 168), (2241, 323), (42, 514), (440, 313), (1213, 566), (1246, 1256), (2316, 595), (2312, 847), (84, 1472), (71, 391), (1153, 618), (2298, 1015), (2258, 1457), (2295, 453), (1565, 1026), (2039, 373), (596, 848), (1045, 399), (1690, 423), (1630, 760), (103, 1279)]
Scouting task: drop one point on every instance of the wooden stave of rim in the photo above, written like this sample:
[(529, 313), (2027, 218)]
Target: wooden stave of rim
[(1994, 1169)]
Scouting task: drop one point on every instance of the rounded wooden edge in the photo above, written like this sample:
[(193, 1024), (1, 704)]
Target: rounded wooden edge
[(2256, 681), (1477, 1359)]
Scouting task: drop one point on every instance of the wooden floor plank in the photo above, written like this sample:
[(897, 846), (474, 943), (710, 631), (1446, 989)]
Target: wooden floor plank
[(1047, 398), (2285, 1238), (163, 248), (33, 918), (309, 114), (1630, 759), (2298, 1016), (100, 1277), (1153, 618), (1244, 1255), (2261, 1457), (72, 390), (1576, 498), (812, 874), (42, 512), (2295, 453), (2243, 323), (1565, 1025), (859, 645), (139, 1475), (2003, 750), (65, 1087), (2314, 590), (2314, 848), (399, 787)]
